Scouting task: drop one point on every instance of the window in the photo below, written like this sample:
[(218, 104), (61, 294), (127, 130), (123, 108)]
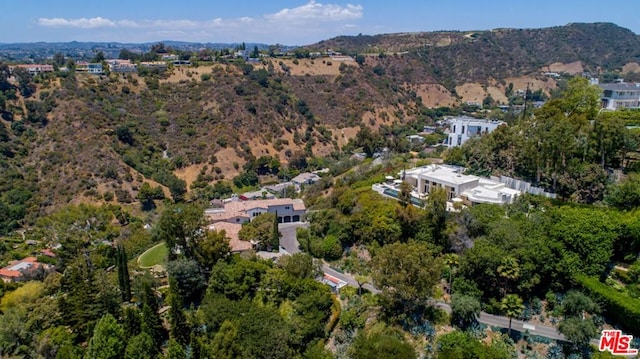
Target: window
[(463, 130), (287, 207)]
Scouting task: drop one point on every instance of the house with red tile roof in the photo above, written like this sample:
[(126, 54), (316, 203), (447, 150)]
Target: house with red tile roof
[(238, 211), (16, 270)]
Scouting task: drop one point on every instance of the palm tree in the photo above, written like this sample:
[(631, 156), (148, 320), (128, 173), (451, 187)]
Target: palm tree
[(512, 306), (452, 261), (509, 270)]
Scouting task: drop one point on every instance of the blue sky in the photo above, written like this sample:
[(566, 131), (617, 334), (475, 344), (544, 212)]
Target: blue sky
[(287, 22)]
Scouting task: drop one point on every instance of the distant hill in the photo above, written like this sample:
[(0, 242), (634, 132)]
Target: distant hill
[(456, 57)]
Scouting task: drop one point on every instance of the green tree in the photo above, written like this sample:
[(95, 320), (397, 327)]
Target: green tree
[(274, 239), (141, 346), (181, 227), (124, 280), (107, 341), (437, 217), (175, 350), (577, 330), (509, 271), (213, 247), (187, 279), (300, 265), (146, 196), (381, 345), (464, 310), (452, 261), (225, 343), (512, 307), (626, 194), (179, 330), (152, 325), (406, 272)]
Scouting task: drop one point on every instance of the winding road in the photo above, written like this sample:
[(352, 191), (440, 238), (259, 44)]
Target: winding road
[(289, 245)]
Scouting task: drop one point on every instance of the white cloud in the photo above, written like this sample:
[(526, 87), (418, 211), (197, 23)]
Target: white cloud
[(319, 12), (82, 23), (293, 25)]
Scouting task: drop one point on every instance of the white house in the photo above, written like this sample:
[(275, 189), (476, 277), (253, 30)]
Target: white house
[(620, 95), (470, 189), (463, 128), (95, 68)]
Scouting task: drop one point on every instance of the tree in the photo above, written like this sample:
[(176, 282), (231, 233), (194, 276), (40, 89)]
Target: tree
[(181, 228), (211, 248), (225, 343), (451, 260), (626, 194), (175, 350), (123, 273), (25, 82), (186, 279), (179, 330), (107, 341), (576, 325), (512, 306), (274, 240), (140, 346), (464, 310), (299, 265), (146, 196), (152, 325), (381, 345), (576, 304), (437, 217), (99, 57), (406, 272), (578, 330), (405, 193), (360, 59), (509, 271)]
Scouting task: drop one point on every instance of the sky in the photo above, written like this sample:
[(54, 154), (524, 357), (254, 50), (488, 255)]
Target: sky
[(288, 22)]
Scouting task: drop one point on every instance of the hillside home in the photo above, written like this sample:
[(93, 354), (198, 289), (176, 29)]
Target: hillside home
[(461, 129), (239, 211), (95, 68), (470, 189), (620, 95), (33, 68), (121, 66), (305, 178), (17, 270)]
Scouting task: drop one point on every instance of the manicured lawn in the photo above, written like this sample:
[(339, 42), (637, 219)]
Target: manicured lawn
[(154, 255)]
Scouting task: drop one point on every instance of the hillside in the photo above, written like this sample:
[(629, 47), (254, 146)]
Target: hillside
[(85, 138), (477, 56)]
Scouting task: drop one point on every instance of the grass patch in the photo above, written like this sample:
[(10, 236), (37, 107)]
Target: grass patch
[(155, 255)]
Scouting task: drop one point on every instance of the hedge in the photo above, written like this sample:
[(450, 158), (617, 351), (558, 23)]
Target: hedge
[(619, 306)]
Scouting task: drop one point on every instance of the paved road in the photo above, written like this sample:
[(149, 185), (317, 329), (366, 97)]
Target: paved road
[(289, 244)]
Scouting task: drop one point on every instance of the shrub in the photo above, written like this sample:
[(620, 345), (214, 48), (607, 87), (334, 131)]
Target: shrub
[(620, 306)]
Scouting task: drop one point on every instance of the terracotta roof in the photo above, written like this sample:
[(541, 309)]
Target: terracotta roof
[(16, 268), (239, 208), (232, 231)]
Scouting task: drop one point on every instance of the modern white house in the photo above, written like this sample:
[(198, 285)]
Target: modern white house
[(620, 95), (469, 189), (463, 128), (95, 68)]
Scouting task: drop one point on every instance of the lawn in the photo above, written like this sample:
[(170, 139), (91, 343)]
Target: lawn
[(154, 255)]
